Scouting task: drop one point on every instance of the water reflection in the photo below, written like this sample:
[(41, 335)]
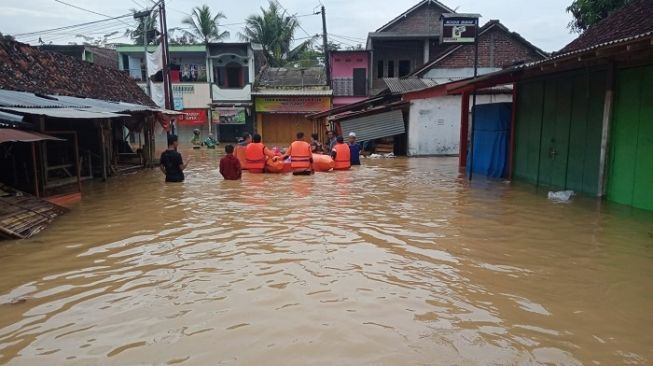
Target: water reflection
[(397, 262)]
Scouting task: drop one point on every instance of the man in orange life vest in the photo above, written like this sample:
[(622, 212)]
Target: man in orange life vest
[(301, 157), (256, 155), (341, 154)]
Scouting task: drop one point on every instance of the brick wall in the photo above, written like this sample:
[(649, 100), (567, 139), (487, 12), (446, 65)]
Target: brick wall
[(426, 19), (496, 49)]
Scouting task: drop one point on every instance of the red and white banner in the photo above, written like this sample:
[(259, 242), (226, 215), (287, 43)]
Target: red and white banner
[(193, 117)]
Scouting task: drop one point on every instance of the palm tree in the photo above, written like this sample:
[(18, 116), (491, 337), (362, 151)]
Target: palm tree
[(274, 31), (205, 25), (152, 30)]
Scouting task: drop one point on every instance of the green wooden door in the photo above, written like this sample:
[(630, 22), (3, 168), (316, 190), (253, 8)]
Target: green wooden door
[(528, 131), (554, 150), (631, 168)]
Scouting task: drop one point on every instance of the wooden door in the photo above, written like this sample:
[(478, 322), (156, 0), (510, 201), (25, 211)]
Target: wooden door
[(280, 129)]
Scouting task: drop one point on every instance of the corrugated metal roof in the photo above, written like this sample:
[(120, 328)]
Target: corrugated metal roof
[(12, 98), (70, 113), (376, 126), (400, 86), (105, 106), (11, 118), (15, 135), (293, 92)]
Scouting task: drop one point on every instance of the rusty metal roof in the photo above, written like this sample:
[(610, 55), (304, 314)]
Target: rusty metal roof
[(400, 86), (15, 135)]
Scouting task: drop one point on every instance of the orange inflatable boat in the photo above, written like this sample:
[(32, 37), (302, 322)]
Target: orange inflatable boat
[(276, 165), (321, 163), (239, 153)]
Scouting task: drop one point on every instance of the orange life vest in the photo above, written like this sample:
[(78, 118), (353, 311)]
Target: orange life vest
[(300, 156), (255, 157), (343, 157)]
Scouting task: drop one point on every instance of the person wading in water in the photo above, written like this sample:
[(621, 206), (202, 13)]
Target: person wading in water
[(172, 165), (301, 158)]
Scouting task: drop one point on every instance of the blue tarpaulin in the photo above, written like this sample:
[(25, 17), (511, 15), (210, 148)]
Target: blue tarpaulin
[(491, 140)]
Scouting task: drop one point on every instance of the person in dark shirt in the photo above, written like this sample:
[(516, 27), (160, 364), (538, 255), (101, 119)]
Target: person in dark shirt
[(229, 165), (172, 164), (355, 149)]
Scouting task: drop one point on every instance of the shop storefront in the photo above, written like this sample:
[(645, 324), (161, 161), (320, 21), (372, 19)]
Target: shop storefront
[(232, 122), (279, 118)]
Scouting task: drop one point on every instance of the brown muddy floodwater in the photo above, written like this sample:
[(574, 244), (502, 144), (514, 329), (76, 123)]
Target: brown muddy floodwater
[(398, 262)]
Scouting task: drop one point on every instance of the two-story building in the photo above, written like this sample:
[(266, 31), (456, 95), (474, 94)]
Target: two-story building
[(406, 42), (233, 70), (190, 87), (349, 76)]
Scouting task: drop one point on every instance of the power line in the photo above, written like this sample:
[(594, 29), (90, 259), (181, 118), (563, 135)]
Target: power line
[(83, 9), (70, 26)]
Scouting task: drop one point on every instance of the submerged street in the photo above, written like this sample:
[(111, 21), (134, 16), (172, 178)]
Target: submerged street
[(399, 261)]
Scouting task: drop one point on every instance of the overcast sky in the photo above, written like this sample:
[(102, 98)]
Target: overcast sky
[(542, 22)]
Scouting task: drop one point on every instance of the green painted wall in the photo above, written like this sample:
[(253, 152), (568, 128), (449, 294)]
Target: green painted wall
[(558, 131), (631, 163)]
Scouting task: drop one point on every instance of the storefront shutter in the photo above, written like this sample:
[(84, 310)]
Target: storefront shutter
[(375, 126)]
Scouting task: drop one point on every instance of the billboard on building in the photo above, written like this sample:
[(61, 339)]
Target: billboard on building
[(459, 28), (292, 104), (230, 116), (193, 117)]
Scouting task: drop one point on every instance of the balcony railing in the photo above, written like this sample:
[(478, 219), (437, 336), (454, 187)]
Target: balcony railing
[(344, 87)]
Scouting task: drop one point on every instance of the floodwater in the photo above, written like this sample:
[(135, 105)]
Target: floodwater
[(398, 262)]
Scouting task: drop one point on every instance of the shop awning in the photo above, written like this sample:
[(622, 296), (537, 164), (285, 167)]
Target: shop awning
[(375, 126), (70, 113), (14, 135)]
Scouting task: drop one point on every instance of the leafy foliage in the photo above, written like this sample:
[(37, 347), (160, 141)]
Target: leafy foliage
[(152, 30), (6, 37), (275, 31), (589, 12), (204, 25)]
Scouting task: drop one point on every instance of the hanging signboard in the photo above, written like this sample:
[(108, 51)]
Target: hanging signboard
[(230, 116), (193, 117), (178, 103), (459, 28), (292, 104)]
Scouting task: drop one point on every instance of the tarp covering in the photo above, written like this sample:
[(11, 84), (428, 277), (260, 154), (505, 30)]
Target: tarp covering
[(14, 135), (376, 126), (491, 140)]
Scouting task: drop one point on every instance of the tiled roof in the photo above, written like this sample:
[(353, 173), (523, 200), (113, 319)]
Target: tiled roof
[(446, 52), (292, 77), (632, 20), (25, 68), (414, 8), (400, 86)]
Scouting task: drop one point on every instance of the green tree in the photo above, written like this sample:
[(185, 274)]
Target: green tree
[(6, 37), (152, 30), (205, 25), (275, 31), (589, 12)]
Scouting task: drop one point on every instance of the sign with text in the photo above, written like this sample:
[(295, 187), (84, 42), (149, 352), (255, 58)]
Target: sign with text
[(193, 117), (179, 103), (230, 116), (292, 104), (459, 30)]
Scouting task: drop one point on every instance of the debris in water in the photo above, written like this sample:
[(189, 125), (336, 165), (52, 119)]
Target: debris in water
[(562, 196)]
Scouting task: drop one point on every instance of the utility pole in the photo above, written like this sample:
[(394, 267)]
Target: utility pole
[(167, 82), (144, 17), (325, 41)]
